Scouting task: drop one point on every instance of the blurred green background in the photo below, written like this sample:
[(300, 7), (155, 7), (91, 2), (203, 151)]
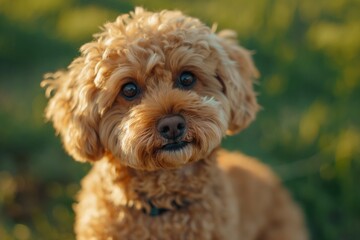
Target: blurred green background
[(307, 51)]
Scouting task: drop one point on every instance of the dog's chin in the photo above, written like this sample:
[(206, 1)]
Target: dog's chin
[(175, 155), (174, 146), (167, 157)]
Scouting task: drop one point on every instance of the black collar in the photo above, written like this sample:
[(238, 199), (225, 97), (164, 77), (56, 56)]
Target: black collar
[(155, 211)]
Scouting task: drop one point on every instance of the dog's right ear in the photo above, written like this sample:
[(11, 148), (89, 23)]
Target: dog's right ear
[(72, 109), (237, 73)]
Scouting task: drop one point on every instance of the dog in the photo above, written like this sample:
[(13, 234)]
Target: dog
[(148, 102)]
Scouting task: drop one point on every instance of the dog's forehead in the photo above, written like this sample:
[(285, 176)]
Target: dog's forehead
[(144, 41), (146, 34), (161, 55)]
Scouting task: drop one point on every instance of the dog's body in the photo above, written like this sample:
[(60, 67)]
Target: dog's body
[(240, 200), (149, 102)]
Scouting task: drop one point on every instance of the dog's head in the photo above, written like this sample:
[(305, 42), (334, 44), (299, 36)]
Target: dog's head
[(154, 90)]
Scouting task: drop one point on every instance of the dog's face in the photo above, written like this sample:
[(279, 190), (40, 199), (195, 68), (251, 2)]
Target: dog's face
[(154, 90)]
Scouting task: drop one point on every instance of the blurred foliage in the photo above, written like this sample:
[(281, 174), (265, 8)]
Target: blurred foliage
[(307, 51)]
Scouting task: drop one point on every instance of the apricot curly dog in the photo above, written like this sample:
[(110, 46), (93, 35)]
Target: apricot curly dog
[(148, 102)]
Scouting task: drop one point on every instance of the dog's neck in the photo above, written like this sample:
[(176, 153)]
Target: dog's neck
[(162, 189)]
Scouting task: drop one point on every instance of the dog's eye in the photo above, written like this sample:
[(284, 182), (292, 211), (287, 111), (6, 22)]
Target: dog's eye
[(186, 80), (130, 91)]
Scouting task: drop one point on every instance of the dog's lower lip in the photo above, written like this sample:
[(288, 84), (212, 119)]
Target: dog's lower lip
[(174, 146)]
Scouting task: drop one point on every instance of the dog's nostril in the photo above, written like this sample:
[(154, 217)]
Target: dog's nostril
[(180, 126), (165, 129), (172, 127)]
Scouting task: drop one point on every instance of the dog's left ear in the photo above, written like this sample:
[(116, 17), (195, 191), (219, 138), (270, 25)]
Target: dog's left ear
[(237, 73), (73, 111)]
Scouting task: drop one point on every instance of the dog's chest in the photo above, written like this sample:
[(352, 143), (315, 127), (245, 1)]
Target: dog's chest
[(210, 214), (206, 220)]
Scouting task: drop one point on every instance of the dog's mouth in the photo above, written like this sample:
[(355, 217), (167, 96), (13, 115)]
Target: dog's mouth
[(174, 146)]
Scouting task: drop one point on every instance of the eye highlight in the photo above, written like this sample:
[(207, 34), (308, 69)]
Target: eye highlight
[(186, 80), (130, 91)]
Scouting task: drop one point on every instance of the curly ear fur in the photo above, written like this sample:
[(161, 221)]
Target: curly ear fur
[(237, 73), (72, 108)]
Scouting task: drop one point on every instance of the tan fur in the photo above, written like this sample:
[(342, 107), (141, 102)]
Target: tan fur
[(208, 193)]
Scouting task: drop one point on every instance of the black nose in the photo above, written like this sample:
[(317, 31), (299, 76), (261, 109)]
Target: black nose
[(171, 127)]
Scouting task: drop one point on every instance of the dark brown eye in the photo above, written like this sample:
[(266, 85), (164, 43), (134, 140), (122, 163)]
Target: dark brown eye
[(130, 90), (186, 80)]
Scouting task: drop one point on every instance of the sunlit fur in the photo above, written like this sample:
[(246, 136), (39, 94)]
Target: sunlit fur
[(119, 135)]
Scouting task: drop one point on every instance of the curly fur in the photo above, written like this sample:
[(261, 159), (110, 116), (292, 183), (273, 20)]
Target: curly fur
[(209, 193)]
